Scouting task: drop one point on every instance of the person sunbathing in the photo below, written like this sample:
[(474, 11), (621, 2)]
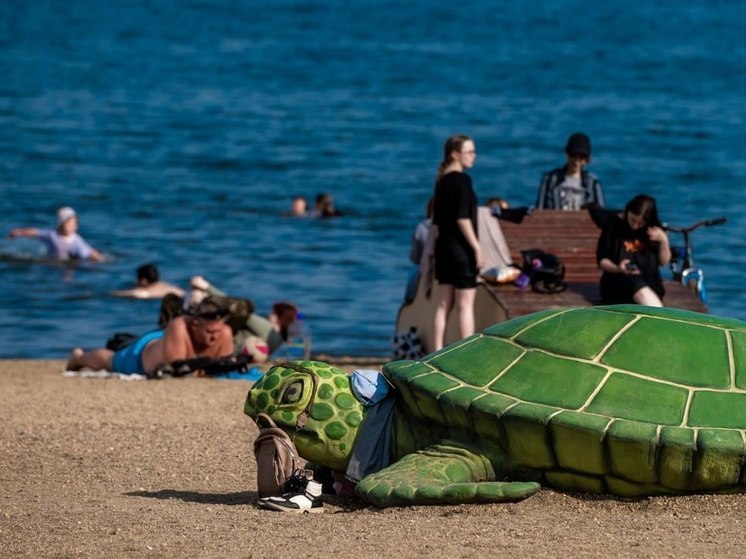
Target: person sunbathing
[(203, 333), (244, 322)]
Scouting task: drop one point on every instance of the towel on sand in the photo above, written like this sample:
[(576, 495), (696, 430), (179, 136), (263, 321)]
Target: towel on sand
[(102, 374), (252, 375)]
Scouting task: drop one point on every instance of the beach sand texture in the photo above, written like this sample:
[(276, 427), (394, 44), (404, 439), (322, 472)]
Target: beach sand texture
[(109, 468)]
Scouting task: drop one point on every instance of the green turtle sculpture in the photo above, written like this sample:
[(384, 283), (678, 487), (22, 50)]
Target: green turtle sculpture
[(626, 400)]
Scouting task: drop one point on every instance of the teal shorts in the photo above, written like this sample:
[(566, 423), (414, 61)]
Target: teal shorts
[(128, 360)]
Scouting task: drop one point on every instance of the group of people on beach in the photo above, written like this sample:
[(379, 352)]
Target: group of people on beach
[(631, 248), (203, 322)]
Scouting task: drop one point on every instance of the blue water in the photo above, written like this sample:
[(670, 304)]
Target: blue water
[(180, 130)]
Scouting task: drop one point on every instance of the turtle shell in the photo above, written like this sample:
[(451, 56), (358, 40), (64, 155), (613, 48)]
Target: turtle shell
[(626, 399)]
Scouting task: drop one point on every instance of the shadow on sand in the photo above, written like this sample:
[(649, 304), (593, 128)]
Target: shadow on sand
[(240, 498)]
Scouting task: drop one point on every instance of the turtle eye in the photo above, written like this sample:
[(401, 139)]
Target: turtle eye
[(292, 393)]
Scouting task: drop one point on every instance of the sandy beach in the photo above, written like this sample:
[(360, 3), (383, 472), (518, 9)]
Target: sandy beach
[(111, 468)]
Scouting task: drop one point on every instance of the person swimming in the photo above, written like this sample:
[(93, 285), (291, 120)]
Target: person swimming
[(63, 243), (149, 285)]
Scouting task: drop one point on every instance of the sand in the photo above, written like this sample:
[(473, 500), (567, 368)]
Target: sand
[(111, 468)]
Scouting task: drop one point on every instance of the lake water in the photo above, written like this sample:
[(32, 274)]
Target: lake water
[(180, 130)]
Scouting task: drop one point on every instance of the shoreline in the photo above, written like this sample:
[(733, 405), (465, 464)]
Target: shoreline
[(100, 467)]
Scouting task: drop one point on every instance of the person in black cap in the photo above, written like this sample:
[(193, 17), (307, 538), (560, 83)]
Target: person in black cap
[(571, 187)]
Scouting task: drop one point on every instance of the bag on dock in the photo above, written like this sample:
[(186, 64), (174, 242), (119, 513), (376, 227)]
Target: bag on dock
[(546, 270)]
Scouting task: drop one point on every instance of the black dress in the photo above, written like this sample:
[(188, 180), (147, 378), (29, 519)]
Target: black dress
[(455, 261), (618, 242)]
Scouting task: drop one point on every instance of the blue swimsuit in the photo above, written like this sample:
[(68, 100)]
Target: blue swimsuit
[(129, 359)]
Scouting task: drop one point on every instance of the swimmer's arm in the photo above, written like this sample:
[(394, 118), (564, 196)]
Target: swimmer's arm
[(198, 283), (23, 232), (165, 288), (88, 252), (137, 293), (96, 256)]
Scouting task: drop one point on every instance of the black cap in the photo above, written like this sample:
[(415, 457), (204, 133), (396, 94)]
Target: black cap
[(578, 143), (210, 308)]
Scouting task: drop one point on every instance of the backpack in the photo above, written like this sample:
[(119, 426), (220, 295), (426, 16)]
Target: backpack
[(277, 460), (120, 340), (545, 270)]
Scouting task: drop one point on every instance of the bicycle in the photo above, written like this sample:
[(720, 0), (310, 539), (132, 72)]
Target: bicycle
[(682, 264)]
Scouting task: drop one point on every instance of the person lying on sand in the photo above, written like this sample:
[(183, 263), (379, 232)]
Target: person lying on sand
[(203, 333)]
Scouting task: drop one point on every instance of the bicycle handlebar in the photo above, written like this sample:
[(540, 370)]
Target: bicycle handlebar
[(716, 221), (706, 223)]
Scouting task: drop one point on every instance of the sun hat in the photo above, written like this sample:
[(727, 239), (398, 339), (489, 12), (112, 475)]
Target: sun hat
[(579, 143), (64, 214)]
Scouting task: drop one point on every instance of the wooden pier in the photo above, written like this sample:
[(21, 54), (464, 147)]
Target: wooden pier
[(572, 236)]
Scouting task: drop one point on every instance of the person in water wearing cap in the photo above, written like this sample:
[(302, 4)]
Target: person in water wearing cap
[(571, 187), (203, 333), (63, 243)]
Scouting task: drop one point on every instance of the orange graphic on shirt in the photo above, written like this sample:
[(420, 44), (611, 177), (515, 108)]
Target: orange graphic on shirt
[(634, 246)]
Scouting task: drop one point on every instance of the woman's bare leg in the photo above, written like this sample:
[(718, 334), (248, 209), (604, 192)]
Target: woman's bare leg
[(464, 301), (648, 297), (96, 359), (443, 302)]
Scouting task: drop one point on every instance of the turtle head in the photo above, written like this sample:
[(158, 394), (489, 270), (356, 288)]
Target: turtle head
[(312, 402)]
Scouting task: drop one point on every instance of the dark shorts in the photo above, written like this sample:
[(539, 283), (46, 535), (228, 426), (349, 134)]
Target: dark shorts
[(619, 289), (460, 273), (459, 283), (460, 277)]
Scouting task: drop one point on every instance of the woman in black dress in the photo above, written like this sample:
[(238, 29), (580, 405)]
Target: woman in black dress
[(629, 252), (458, 255)]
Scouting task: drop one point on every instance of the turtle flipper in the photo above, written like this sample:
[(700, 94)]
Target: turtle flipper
[(441, 474)]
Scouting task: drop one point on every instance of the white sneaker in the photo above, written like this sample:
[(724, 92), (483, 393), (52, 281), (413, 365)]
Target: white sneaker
[(307, 501)]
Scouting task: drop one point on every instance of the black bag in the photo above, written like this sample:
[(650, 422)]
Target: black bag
[(120, 340), (546, 271), (208, 365)]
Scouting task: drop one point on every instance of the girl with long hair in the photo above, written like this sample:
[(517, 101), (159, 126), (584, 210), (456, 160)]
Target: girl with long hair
[(630, 251), (458, 255)]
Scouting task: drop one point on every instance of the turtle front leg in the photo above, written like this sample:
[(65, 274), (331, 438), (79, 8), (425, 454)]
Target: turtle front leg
[(441, 474)]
